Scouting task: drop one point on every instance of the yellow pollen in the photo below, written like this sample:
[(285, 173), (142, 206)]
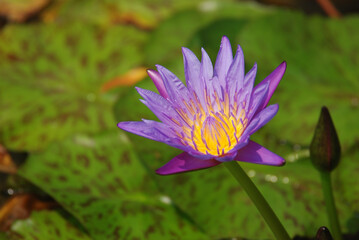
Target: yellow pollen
[(215, 133)]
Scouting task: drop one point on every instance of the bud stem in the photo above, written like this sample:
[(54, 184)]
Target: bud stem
[(257, 198), (330, 205)]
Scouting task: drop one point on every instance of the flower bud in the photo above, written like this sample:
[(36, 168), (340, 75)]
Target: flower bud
[(323, 234), (325, 146)]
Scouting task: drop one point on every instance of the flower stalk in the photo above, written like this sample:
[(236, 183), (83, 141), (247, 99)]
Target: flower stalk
[(330, 205), (257, 198)]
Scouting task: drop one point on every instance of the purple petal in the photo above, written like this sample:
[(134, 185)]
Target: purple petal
[(261, 119), (148, 130), (176, 90), (255, 153), (229, 156), (153, 130), (184, 163), (235, 75), (192, 70), (206, 67), (246, 94), (273, 79), (250, 77), (242, 142), (157, 80), (224, 60), (162, 108), (256, 100)]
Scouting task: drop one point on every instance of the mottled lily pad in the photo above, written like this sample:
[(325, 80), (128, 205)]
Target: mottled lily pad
[(101, 182), (51, 76), (46, 225)]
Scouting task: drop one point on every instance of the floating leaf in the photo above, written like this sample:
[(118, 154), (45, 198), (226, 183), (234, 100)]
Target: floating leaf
[(51, 76), (101, 182), (46, 225)]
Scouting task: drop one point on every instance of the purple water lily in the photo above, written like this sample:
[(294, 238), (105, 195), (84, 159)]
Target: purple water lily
[(212, 118)]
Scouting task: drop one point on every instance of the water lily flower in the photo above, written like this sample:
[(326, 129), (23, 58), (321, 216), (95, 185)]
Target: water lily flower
[(212, 118)]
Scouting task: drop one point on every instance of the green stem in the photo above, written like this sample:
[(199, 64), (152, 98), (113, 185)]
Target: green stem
[(263, 207), (330, 205)]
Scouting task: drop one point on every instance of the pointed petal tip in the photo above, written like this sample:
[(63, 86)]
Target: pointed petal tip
[(283, 66), (275, 107), (120, 124), (152, 73), (255, 153), (124, 125), (157, 80), (239, 49), (139, 90), (161, 172), (150, 70), (225, 38), (205, 55), (225, 43), (159, 67), (189, 58), (185, 50), (163, 71), (281, 164)]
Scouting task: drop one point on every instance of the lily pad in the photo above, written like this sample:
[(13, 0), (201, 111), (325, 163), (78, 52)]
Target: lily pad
[(46, 225), (51, 76), (101, 182)]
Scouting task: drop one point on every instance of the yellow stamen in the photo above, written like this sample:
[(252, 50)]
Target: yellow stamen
[(213, 132)]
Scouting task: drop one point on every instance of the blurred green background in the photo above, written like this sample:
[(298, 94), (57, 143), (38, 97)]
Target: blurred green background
[(67, 74)]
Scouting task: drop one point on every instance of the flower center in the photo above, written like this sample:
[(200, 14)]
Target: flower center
[(214, 132)]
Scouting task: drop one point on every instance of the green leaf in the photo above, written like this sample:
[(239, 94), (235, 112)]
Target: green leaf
[(45, 225), (51, 76), (101, 182)]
